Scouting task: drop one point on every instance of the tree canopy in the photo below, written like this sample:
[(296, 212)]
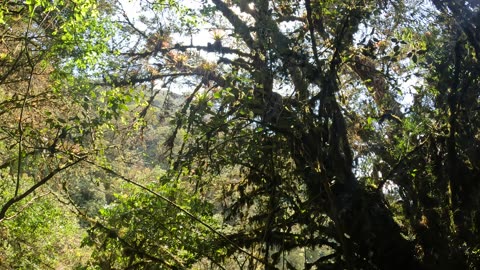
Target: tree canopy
[(237, 134)]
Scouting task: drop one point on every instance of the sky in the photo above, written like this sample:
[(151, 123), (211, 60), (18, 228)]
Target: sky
[(133, 10)]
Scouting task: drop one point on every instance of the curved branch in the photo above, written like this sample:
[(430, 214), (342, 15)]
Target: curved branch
[(40, 183)]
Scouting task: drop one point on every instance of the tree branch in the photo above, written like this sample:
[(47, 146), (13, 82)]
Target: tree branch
[(240, 27), (40, 183)]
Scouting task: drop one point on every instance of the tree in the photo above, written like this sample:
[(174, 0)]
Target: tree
[(296, 141), (309, 136), (305, 101)]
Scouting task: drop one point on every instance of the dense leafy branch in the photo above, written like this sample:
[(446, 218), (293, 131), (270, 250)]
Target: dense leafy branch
[(170, 202)]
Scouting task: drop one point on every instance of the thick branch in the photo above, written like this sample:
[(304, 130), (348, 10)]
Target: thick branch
[(240, 27)]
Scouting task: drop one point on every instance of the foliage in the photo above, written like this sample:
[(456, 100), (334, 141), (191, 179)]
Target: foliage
[(29, 241), (311, 135), (45, 129), (149, 231)]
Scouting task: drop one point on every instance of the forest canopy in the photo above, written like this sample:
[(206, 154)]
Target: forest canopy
[(239, 134)]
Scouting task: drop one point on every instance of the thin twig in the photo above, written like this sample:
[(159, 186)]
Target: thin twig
[(20, 126)]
